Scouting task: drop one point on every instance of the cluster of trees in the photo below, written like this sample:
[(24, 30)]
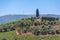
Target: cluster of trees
[(26, 22), (42, 31), (13, 25), (45, 23), (49, 18), (6, 29), (49, 32)]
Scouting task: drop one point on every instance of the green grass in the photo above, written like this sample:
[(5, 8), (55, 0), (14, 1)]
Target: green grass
[(12, 35), (8, 35), (39, 38)]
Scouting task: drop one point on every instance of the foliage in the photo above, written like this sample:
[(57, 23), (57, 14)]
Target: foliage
[(37, 13)]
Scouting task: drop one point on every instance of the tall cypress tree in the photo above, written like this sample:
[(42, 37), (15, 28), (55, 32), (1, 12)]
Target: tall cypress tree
[(37, 12)]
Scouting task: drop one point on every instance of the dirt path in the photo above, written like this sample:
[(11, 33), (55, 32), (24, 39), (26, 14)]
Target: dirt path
[(56, 27)]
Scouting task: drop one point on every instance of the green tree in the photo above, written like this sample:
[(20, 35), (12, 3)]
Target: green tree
[(37, 12)]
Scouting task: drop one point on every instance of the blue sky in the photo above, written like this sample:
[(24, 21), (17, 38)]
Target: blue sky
[(28, 7)]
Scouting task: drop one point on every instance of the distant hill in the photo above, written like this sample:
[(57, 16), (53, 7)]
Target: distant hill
[(52, 15), (10, 18)]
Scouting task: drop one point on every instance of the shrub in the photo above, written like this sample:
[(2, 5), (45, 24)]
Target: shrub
[(44, 32), (4, 39), (57, 32), (51, 32), (49, 27), (37, 33), (25, 31), (12, 28)]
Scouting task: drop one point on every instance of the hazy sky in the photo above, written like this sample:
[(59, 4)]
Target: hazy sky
[(26, 7)]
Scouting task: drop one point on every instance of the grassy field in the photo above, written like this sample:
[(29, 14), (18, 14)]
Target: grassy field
[(8, 35), (12, 36)]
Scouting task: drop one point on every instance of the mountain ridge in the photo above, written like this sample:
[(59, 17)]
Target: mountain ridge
[(11, 18)]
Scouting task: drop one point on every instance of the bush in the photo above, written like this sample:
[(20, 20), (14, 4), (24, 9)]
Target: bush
[(57, 32), (4, 39), (44, 32), (49, 27), (12, 28), (37, 33), (35, 24), (54, 22), (15, 39), (25, 31), (42, 26), (51, 32), (48, 22)]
